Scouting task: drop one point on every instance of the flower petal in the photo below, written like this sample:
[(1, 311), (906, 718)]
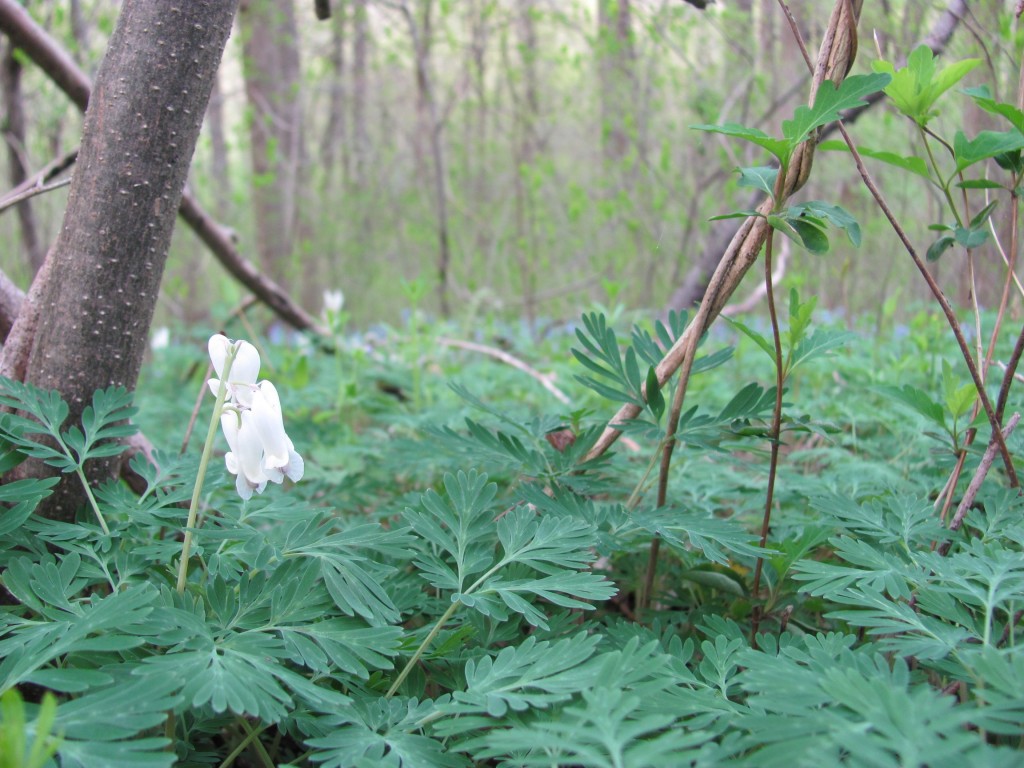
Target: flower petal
[(246, 449), (219, 345), (230, 424), (246, 368), (269, 425), (296, 467)]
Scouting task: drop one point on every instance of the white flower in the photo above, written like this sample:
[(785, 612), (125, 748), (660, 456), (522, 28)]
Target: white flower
[(333, 301), (245, 459), (245, 368), (260, 449), (279, 456), (161, 338)]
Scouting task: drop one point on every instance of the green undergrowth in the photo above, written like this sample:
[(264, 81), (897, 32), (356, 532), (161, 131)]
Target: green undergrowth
[(452, 583)]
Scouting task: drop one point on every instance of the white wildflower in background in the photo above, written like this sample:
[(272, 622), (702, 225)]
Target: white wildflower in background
[(260, 449), (161, 338), (333, 301)]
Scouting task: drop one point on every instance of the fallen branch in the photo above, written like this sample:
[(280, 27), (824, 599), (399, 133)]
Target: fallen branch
[(545, 379), (33, 40)]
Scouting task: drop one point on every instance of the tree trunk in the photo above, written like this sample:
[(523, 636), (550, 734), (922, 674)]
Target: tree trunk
[(17, 153), (79, 30), (273, 87), (219, 166), (92, 303), (360, 55), (335, 142), (421, 30), (615, 57), (432, 126), (527, 113)]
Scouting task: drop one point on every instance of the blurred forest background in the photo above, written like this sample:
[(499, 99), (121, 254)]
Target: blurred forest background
[(529, 157)]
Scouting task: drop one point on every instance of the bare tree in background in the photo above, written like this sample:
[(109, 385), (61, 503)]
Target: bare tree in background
[(615, 64), (85, 323), (527, 101), (273, 86), (432, 126), (17, 152), (219, 167), (360, 59), (335, 144)]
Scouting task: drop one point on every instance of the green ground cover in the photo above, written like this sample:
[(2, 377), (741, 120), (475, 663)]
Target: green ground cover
[(445, 586)]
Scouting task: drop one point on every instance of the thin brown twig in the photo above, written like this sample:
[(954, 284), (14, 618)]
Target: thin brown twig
[(975, 485), (979, 475), (12, 199), (195, 410), (940, 298), (1010, 373), (1018, 376), (774, 434)]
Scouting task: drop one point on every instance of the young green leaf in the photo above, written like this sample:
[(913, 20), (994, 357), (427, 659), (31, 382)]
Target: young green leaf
[(916, 87), (829, 102), (655, 400), (762, 178), (912, 163), (983, 146), (780, 148)]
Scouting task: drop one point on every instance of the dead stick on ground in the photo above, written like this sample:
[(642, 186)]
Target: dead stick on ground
[(515, 362)]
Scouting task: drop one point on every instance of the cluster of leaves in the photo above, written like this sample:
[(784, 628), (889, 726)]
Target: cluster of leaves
[(486, 622)]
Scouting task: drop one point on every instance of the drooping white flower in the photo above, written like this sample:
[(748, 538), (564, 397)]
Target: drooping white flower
[(252, 422), (245, 459), (245, 368), (333, 301), (278, 450)]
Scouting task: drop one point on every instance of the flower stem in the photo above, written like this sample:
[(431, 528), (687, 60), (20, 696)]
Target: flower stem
[(92, 500), (423, 647), (204, 462), (251, 737)]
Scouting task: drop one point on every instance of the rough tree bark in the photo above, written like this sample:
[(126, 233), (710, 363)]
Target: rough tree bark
[(273, 87), (92, 303)]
